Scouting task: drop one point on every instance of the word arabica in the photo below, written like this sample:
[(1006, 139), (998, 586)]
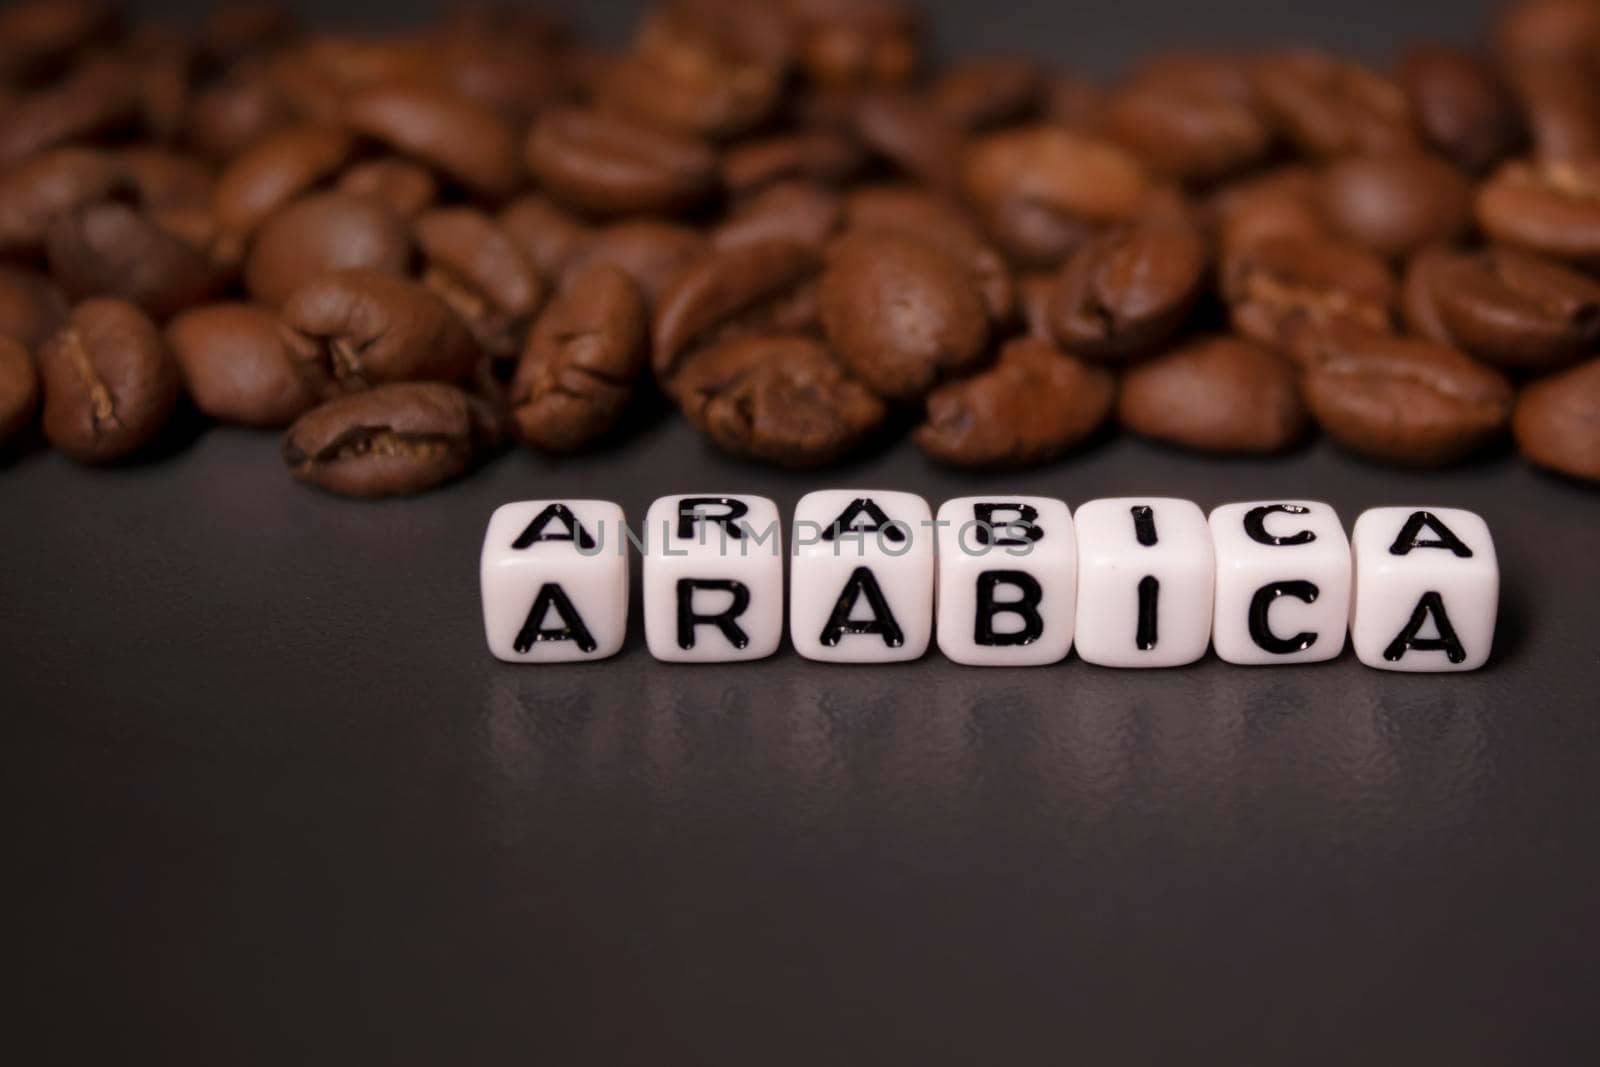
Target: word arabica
[(1004, 581)]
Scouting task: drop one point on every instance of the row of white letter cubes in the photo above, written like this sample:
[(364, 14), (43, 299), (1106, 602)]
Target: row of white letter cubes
[(1012, 581)]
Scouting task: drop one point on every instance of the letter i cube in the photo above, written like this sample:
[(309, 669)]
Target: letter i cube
[(554, 578)]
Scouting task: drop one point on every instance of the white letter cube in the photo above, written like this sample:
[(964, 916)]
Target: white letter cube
[(1145, 576), (864, 593), (713, 578), (554, 578), (1008, 580), (1427, 588), (1283, 582)]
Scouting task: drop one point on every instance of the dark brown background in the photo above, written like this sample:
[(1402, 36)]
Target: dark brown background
[(273, 802)]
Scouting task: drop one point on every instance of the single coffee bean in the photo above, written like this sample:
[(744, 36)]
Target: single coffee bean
[(1545, 31), (408, 188), (503, 72), (1461, 105), (781, 399), (710, 70), (1034, 404), (162, 61), (99, 95), (1563, 116), (324, 232), (818, 155), (1074, 103), (1400, 399), (1222, 394), (913, 134), (1514, 310), (652, 253), (857, 42), (1040, 189), (1557, 421), (1280, 288), (1184, 126), (462, 139), (271, 173), (1395, 204), (1128, 290), (34, 192), (1280, 203), (610, 165), (109, 382), (581, 361), (238, 29), (37, 36), (900, 313), (236, 365), (548, 236), (482, 274), (394, 440), (938, 220), (1329, 107), (32, 306), (1551, 208), (19, 389), (987, 91), (1418, 305), (798, 212), (351, 329), (112, 249), (227, 118), (765, 288)]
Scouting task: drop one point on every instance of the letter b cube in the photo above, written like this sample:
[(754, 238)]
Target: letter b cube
[(554, 578)]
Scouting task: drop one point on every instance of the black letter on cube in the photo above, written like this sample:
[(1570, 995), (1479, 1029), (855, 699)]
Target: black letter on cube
[(1026, 607), (690, 515), (862, 583), (550, 596), (1430, 604), (554, 513), (722, 620)]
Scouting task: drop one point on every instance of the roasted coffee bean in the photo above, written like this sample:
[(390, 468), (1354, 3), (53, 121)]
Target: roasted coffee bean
[(579, 366), (394, 440), (818, 155), (1557, 421), (1553, 208), (988, 90), (481, 273), (37, 36), (1330, 107), (548, 236), (236, 365), (32, 306), (857, 42), (109, 382), (610, 165), (798, 212), (1395, 204), (271, 173), (1041, 189), (33, 193), (227, 118), (765, 288), (1563, 116), (1402, 400), (1034, 404), (1035, 293), (1223, 394), (1461, 105), (652, 253), (19, 389), (1509, 308), (1417, 304), (1281, 203), (780, 399), (324, 232), (913, 134), (1074, 103), (1546, 31), (350, 329), (1128, 290), (408, 188), (901, 314), (1188, 124), (99, 96), (236, 29), (462, 139), (1281, 288), (938, 220), (111, 249)]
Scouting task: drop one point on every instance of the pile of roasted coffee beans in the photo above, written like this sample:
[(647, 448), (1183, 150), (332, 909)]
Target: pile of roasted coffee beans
[(787, 222)]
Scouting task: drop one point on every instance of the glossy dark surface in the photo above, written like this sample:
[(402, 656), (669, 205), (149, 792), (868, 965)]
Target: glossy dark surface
[(273, 802)]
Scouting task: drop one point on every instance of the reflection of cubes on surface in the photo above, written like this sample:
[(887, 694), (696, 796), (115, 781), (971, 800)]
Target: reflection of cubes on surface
[(1427, 587), (713, 578), (1283, 582), (554, 579), (1008, 580), (861, 584), (1145, 573)]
